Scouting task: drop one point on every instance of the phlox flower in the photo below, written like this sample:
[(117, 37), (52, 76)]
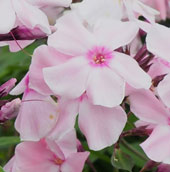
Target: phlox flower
[(101, 125), (151, 110), (94, 66), (48, 155)]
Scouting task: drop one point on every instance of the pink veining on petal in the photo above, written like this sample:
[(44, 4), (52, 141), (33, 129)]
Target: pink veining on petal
[(166, 63), (168, 121), (99, 56)]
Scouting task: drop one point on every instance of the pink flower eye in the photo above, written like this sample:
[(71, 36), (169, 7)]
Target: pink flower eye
[(99, 56), (58, 161)]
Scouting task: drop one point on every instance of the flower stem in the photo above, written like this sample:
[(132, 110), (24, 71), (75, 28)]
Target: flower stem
[(130, 148)]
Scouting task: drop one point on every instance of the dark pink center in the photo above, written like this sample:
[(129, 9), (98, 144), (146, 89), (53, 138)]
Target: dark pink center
[(99, 56)]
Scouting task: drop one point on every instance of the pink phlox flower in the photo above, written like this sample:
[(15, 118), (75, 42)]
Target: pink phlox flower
[(48, 155), (94, 66)]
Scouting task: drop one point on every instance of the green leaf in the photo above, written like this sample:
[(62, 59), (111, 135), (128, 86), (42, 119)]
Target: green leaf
[(1, 169), (135, 151), (121, 160), (9, 140)]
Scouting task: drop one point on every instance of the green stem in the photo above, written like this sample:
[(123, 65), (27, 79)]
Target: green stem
[(130, 148)]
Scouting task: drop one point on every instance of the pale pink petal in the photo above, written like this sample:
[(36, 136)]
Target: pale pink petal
[(31, 16), (148, 108), (37, 117), (113, 34), (105, 87), (54, 3), (145, 26), (158, 67), (157, 146), (43, 56), (9, 166), (74, 40), (68, 143), (14, 47), (92, 10), (164, 90), (162, 7), (20, 88), (102, 126), (68, 79), (146, 11), (6, 87), (7, 16), (75, 162), (129, 69), (68, 110), (35, 157), (53, 147), (148, 125), (158, 41)]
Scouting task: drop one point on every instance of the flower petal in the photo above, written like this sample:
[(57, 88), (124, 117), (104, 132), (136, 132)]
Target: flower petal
[(129, 69), (68, 79), (92, 10), (13, 45), (20, 88), (34, 157), (31, 16), (68, 110), (157, 145), (7, 11), (113, 34), (34, 123), (148, 108), (74, 40), (43, 56), (146, 11), (102, 126), (158, 41), (164, 90), (104, 87), (75, 162)]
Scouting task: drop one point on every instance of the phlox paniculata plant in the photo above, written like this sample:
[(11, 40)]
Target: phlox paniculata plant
[(99, 81)]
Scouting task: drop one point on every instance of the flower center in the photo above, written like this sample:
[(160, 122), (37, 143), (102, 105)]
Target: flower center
[(58, 161), (99, 56)]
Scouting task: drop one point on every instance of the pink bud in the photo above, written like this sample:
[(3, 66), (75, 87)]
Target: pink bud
[(10, 110), (163, 168), (7, 86)]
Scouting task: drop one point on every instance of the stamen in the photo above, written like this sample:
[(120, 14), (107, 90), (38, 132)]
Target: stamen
[(58, 161)]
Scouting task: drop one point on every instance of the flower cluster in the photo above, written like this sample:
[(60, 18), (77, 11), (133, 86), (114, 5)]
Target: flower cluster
[(99, 56)]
